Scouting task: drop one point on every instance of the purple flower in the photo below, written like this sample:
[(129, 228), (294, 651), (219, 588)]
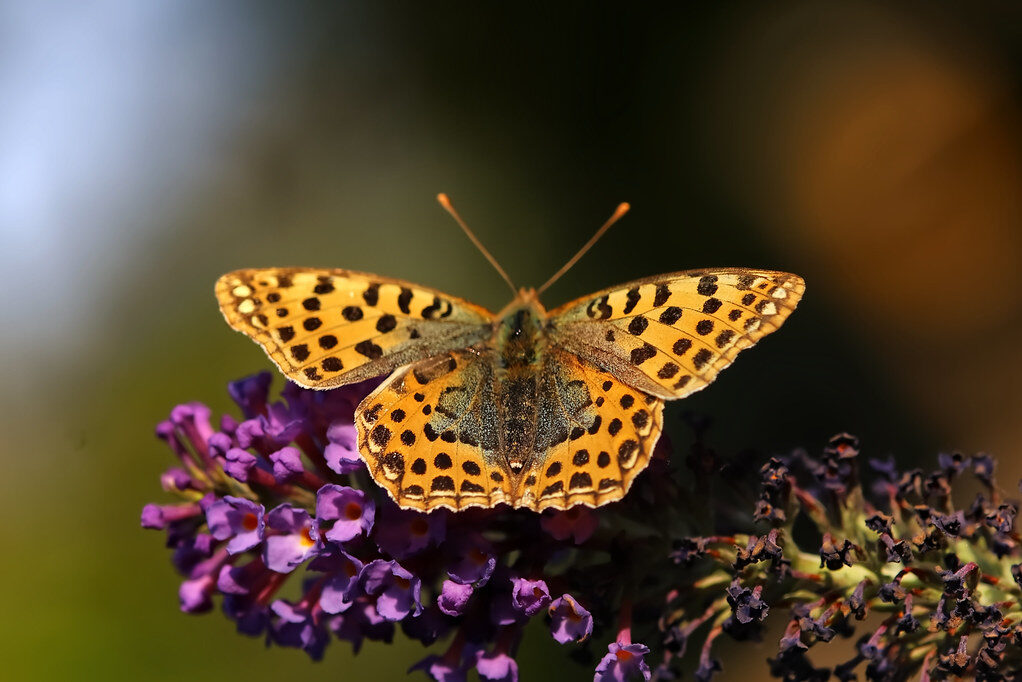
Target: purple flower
[(687, 550), (297, 626), (239, 519), (475, 565), (427, 627), (746, 604), (249, 616), (401, 533), (341, 452), (352, 512), (196, 594), (529, 596), (192, 421), (454, 597), (242, 579), (270, 432), (251, 393), (238, 464), (623, 662), (191, 551), (362, 621), (292, 539), (159, 516), (834, 556), (577, 523), (441, 669), (497, 667), (569, 620), (341, 585), (287, 463), (397, 589), (177, 480)]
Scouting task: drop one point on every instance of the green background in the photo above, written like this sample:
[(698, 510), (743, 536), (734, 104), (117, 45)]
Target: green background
[(873, 149)]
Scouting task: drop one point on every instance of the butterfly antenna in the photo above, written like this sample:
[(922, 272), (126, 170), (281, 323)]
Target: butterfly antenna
[(446, 203), (618, 213)]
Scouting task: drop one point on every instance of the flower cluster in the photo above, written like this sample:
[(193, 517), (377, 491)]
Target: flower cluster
[(935, 572), (919, 569), (282, 496)]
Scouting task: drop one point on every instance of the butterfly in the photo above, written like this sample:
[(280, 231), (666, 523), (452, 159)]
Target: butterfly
[(527, 407)]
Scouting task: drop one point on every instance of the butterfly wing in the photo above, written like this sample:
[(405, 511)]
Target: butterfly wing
[(325, 328), (435, 435), (430, 434), (670, 335), (595, 434)]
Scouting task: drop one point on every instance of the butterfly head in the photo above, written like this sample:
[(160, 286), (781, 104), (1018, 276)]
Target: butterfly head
[(518, 329)]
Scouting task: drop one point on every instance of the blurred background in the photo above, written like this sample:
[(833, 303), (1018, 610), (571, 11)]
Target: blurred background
[(146, 148)]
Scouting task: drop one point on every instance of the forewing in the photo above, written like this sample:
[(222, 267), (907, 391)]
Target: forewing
[(429, 434), (325, 328), (672, 334), (611, 430)]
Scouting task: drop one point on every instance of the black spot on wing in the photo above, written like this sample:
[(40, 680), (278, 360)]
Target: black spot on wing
[(711, 305), (442, 483), (380, 435), (638, 325), (642, 353), (580, 480), (369, 349), (707, 285), (670, 315), (598, 309), (668, 370), (663, 293), (631, 300), (553, 489), (404, 300), (372, 294), (702, 357)]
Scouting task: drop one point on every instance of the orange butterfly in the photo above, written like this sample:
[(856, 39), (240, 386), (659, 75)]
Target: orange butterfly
[(532, 408)]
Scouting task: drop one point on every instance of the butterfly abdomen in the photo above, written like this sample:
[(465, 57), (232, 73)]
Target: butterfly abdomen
[(519, 347)]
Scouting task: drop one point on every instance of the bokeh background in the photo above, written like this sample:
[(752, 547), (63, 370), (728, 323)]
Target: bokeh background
[(146, 148)]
